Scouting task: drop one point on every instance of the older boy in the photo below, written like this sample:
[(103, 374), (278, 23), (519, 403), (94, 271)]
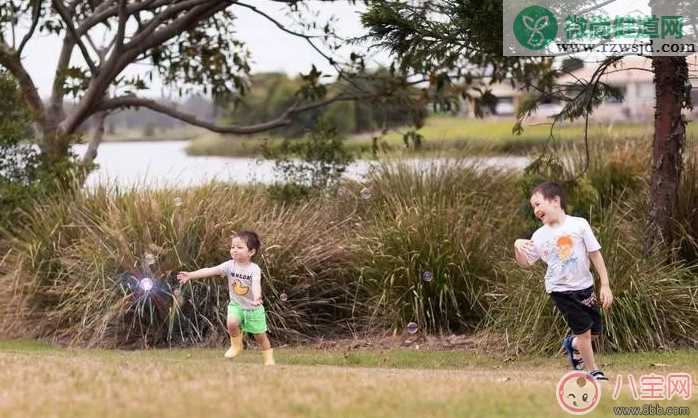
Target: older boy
[(566, 244)]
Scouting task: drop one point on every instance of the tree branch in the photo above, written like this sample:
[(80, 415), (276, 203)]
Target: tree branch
[(10, 60), (58, 88), (117, 62), (91, 152), (169, 13), (36, 13), (104, 12), (121, 30), (68, 20), (308, 39), (282, 120)]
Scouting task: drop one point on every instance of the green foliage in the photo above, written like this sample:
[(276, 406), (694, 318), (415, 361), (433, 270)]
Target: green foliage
[(19, 161), (450, 43), (571, 64), (24, 173), (271, 94), (614, 172), (309, 166)]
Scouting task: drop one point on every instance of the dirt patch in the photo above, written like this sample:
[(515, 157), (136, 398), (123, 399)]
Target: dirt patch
[(480, 342)]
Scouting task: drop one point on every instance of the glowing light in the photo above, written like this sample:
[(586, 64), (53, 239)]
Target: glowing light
[(412, 327), (146, 284)]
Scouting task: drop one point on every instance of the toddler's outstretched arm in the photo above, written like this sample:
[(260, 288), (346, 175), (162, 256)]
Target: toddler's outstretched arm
[(185, 276)]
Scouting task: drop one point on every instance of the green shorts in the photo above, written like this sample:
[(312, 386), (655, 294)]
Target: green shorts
[(253, 321)]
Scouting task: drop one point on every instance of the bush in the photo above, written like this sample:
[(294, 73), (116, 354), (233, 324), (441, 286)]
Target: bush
[(309, 166), (333, 265), (75, 251), (24, 174), (445, 222)]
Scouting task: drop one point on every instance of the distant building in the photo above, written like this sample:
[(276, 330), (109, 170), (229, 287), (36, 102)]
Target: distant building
[(633, 76)]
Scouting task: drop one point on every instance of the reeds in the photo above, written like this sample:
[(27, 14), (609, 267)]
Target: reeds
[(430, 244)]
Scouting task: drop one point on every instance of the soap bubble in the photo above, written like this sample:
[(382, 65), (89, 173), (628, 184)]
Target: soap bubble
[(283, 297), (178, 201), (365, 193), (427, 276), (412, 327)]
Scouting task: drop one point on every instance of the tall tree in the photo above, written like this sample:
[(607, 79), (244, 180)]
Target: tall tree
[(672, 95), (461, 40), (189, 44)]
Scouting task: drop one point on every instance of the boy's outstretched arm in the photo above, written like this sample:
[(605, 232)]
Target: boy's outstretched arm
[(605, 293), (521, 249), (185, 276)]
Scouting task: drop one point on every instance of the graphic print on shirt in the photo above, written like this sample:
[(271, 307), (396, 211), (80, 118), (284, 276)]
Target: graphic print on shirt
[(568, 261), (241, 283)]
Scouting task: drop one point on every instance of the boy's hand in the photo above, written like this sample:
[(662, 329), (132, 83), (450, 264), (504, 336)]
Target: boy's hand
[(183, 277), (606, 297), (524, 246)]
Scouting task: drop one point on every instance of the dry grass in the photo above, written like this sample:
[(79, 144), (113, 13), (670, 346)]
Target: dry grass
[(199, 383)]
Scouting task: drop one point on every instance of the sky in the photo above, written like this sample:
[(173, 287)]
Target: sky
[(271, 49)]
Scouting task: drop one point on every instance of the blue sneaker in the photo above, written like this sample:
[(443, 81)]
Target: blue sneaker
[(573, 355)]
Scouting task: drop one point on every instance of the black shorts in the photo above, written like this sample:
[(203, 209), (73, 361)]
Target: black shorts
[(580, 309)]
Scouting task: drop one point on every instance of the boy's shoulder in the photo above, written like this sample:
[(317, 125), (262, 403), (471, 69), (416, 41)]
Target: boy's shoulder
[(538, 232), (577, 220), (570, 222)]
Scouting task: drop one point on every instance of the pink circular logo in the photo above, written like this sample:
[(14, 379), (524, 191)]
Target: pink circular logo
[(578, 393)]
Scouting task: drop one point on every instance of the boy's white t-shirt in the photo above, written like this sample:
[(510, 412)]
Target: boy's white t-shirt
[(244, 283), (565, 249)]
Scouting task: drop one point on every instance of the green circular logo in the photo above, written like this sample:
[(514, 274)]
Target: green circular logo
[(535, 27)]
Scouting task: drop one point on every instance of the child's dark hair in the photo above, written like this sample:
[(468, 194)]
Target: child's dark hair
[(550, 190), (251, 239)]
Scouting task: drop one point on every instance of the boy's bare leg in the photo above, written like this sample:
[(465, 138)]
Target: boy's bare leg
[(262, 341), (265, 346), (233, 328), (582, 342)]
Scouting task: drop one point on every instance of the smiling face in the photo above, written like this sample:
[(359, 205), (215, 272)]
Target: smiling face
[(239, 251), (578, 393), (547, 210)]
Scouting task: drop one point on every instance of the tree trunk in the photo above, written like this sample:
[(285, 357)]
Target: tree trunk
[(670, 78)]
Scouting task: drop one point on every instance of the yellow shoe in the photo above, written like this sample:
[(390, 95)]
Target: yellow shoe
[(235, 347), (269, 357)]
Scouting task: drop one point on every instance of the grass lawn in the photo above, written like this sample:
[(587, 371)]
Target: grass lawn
[(455, 136), (40, 380)]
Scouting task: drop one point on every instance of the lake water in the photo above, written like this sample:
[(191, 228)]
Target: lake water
[(166, 164)]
